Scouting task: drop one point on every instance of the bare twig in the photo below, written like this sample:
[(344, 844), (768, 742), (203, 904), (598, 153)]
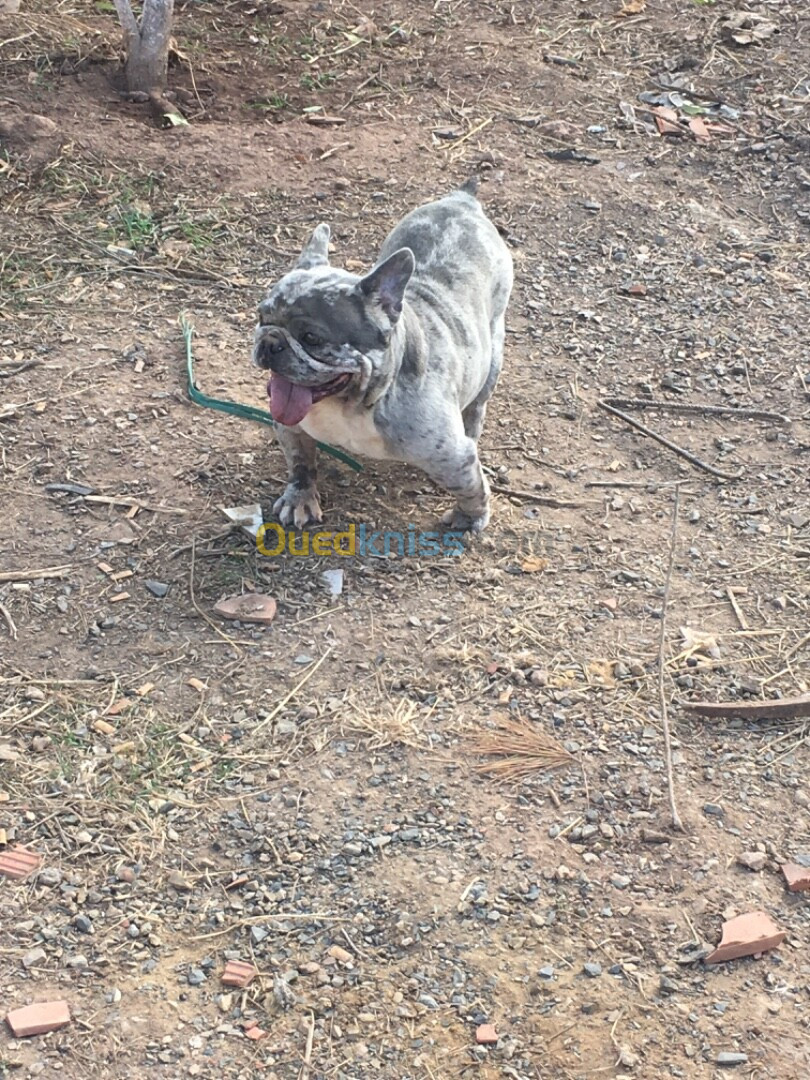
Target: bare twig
[(679, 450), (536, 497), (697, 410), (32, 575), (305, 1066), (662, 699), (272, 715), (12, 629)]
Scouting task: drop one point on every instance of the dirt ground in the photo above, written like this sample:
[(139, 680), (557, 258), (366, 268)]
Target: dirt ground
[(308, 796)]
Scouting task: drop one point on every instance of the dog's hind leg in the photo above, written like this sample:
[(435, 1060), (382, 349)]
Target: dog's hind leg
[(451, 461), (475, 413)]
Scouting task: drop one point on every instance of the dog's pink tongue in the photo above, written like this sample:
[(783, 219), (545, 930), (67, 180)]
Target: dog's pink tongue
[(289, 403)]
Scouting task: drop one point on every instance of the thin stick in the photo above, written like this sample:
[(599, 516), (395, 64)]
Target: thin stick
[(12, 629), (662, 700), (308, 1051), (732, 599), (31, 575), (125, 500), (271, 717), (795, 648), (542, 500), (470, 133), (697, 410), (679, 450)]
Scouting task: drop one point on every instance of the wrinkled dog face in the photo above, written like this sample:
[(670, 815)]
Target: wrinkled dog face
[(324, 331)]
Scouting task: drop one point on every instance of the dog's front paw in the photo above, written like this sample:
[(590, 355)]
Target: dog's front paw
[(299, 507), (459, 521)]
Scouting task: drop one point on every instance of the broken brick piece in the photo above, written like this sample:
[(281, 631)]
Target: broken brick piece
[(747, 935), (796, 876), (255, 1033), (486, 1035), (667, 126), (698, 128), (18, 862), (238, 973), (250, 608), (39, 1018)]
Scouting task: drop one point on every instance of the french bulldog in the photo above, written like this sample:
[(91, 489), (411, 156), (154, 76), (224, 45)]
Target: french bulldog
[(396, 365)]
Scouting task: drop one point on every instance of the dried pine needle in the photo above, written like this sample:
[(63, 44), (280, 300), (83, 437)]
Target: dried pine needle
[(521, 750)]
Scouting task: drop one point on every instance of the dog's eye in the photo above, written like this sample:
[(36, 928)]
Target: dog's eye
[(310, 339)]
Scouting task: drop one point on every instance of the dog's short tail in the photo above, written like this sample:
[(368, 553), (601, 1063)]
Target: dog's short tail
[(470, 186)]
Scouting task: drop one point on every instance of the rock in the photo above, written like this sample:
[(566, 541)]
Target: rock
[(713, 810), (339, 954), (283, 993), (747, 935), (33, 957), (730, 1058), (593, 971), (196, 977), (157, 588), (546, 972), (83, 924), (35, 138), (754, 860), (49, 876), (177, 881)]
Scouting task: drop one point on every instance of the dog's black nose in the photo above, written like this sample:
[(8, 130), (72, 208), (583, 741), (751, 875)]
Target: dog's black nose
[(271, 345)]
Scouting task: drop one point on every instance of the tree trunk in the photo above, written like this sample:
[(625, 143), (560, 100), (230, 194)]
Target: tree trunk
[(147, 44)]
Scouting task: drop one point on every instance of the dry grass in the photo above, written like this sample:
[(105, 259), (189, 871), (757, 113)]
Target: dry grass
[(390, 723), (520, 751)]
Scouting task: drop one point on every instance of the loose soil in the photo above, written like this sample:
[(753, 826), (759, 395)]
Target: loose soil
[(307, 796)]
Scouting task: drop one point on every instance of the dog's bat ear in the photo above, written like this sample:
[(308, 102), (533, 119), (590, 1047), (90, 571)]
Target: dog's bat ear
[(316, 249), (386, 283)]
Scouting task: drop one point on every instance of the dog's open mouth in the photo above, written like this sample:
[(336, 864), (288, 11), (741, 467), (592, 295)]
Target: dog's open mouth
[(290, 402)]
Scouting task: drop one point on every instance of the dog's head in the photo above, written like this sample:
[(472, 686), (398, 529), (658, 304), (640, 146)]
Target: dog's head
[(324, 331)]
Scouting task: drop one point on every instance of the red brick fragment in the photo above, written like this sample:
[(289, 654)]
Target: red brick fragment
[(238, 973), (797, 877), (39, 1018), (747, 935), (698, 128), (639, 289), (18, 862), (255, 1033), (486, 1035), (666, 126)]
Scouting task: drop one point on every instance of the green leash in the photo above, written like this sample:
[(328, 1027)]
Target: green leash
[(247, 412)]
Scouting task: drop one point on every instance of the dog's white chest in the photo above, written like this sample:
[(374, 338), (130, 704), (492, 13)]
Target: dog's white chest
[(340, 423)]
